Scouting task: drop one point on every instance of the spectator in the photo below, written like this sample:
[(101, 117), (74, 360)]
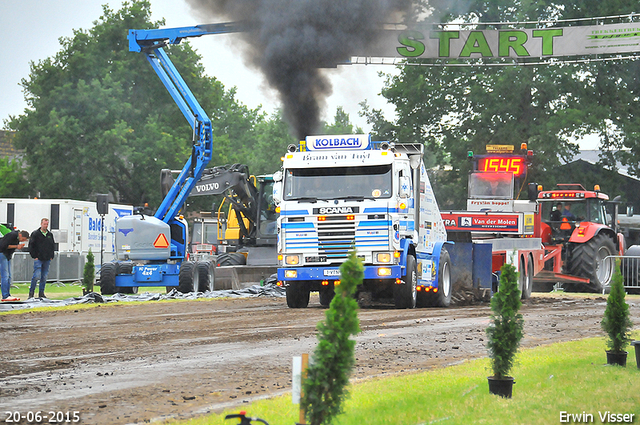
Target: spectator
[(8, 244), (42, 248)]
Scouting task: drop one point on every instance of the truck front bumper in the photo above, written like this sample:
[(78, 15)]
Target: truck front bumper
[(333, 273)]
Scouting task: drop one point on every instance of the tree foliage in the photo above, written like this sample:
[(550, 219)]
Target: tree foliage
[(452, 110), (89, 274), (13, 183), (333, 359), (506, 329), (616, 321), (100, 120)]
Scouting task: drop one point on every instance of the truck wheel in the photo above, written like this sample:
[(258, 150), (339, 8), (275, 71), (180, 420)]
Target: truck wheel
[(528, 279), (326, 295), (443, 296), (297, 295), (405, 294), (205, 276), (125, 268), (187, 277), (589, 260), (108, 279)]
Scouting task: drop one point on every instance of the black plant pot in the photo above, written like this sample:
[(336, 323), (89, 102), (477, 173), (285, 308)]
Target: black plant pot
[(636, 344), (615, 358), (501, 386)]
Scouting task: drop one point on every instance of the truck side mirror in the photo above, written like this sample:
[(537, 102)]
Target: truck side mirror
[(405, 187), (532, 192), (629, 210)]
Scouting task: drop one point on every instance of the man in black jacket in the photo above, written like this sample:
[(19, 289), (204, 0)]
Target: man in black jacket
[(8, 244), (41, 247)]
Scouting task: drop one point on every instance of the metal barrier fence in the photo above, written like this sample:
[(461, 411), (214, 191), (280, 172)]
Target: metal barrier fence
[(65, 267), (630, 269)]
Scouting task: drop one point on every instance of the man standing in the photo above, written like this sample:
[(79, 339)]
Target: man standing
[(8, 244), (41, 247)]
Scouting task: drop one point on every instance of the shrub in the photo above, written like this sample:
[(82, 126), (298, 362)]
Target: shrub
[(89, 273), (616, 322), (334, 356), (506, 328)]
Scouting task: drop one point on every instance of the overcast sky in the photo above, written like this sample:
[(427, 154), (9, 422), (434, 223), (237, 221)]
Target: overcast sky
[(30, 29)]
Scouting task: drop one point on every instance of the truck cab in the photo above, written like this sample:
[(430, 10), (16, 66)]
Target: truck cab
[(345, 192)]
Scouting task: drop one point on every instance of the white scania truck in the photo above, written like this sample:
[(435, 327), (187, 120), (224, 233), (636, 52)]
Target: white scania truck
[(339, 193)]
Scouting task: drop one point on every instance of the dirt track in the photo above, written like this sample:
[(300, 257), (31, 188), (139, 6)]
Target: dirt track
[(134, 363)]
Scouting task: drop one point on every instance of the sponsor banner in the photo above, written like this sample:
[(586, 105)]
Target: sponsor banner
[(346, 142), (490, 204), (512, 43), (469, 222)]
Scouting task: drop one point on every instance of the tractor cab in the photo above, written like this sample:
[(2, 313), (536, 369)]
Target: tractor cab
[(570, 207)]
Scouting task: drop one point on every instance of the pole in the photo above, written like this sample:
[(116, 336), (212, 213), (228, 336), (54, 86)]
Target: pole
[(101, 238), (305, 364)]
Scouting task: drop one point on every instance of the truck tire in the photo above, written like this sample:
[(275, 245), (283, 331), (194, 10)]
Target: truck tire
[(108, 279), (125, 268), (297, 295), (205, 276), (187, 277), (588, 260), (443, 296), (405, 294), (326, 295)]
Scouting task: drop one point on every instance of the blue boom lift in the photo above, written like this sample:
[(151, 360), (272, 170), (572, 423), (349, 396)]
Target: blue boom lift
[(152, 250)]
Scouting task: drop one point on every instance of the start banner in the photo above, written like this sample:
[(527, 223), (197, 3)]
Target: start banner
[(509, 43)]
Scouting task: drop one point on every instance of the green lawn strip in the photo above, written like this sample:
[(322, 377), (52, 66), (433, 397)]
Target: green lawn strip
[(567, 377), (55, 291)]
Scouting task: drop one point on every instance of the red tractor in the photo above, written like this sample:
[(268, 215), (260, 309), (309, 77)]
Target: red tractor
[(579, 237)]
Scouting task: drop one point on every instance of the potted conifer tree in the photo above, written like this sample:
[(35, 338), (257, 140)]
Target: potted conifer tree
[(89, 275), (505, 331), (616, 322)]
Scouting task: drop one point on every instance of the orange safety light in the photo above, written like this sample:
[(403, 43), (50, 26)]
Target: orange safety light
[(325, 283), (322, 218), (523, 146), (596, 188), (565, 224), (398, 281), (419, 288), (351, 217), (396, 254), (435, 289), (278, 210), (336, 283), (427, 289), (402, 206)]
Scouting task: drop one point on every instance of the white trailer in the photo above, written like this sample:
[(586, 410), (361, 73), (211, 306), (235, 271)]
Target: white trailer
[(76, 225)]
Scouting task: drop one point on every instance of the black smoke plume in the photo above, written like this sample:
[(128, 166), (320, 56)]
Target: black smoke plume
[(291, 40)]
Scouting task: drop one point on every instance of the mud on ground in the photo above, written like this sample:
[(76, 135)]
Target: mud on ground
[(124, 363)]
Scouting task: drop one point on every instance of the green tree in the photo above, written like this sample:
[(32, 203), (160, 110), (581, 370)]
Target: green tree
[(506, 329), (452, 110), (616, 321), (333, 359), (13, 183), (89, 274), (100, 120), (341, 125)]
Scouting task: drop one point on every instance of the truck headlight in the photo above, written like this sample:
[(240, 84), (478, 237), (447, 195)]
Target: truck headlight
[(291, 274), (292, 260), (384, 257)]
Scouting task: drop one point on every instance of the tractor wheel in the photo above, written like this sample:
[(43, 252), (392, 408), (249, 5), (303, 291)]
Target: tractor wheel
[(297, 295), (205, 276), (326, 295), (405, 294), (443, 296), (589, 260), (231, 259), (108, 279), (125, 268), (188, 277)]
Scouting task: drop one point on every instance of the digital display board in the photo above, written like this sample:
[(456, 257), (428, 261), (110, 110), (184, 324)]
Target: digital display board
[(505, 164)]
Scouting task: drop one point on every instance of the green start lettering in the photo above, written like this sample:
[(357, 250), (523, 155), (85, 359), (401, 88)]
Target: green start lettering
[(476, 43), (512, 40), (414, 48), (444, 45), (547, 39)]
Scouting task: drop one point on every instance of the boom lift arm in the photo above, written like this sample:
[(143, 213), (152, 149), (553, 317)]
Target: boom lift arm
[(151, 43)]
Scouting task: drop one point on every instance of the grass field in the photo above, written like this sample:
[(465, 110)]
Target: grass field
[(569, 377)]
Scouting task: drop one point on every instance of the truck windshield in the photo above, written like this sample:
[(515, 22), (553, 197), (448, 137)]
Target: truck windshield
[(335, 183)]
